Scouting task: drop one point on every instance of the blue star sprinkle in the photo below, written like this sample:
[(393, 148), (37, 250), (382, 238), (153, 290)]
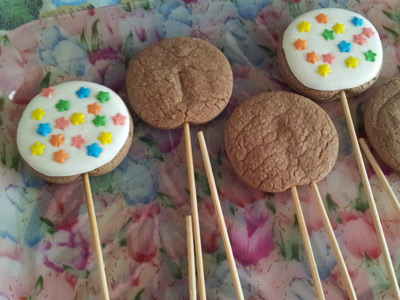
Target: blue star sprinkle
[(344, 46), (83, 92), (357, 21), (94, 150), (44, 129)]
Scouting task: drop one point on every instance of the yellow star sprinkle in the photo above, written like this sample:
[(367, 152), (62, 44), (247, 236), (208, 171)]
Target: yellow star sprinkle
[(304, 26), (352, 62), (38, 114), (324, 70), (77, 118), (105, 138), (339, 28), (37, 148)]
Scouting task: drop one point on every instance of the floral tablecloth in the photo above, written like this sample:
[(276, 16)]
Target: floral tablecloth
[(46, 249)]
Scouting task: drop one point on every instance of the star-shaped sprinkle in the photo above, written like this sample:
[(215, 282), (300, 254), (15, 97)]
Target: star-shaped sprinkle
[(44, 129), (47, 92), (304, 26), (78, 141), (368, 32), (77, 118), (37, 148), (329, 58), (344, 46), (83, 92), (357, 21), (60, 156), (324, 70), (57, 140), (352, 62), (62, 105), (370, 55), (62, 123), (322, 18), (300, 44), (38, 114), (105, 138), (328, 34), (94, 150), (312, 57), (359, 39), (119, 119), (103, 96), (339, 28), (94, 108), (99, 121)]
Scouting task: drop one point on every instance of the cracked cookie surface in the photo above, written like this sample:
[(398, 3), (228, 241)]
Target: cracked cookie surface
[(179, 80), (277, 140)]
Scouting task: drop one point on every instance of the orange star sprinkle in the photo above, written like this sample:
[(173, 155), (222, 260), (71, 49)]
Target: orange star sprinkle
[(94, 108), (60, 156), (300, 44), (322, 18), (312, 57), (57, 140)]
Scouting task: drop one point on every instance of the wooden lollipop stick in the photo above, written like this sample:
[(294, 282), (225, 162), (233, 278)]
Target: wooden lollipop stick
[(382, 178), (195, 213), (96, 237), (307, 245), (220, 217), (191, 263), (339, 257), (370, 196)]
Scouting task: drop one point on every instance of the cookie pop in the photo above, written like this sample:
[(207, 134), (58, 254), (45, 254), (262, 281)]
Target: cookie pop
[(73, 130), (177, 82), (326, 53), (280, 140)]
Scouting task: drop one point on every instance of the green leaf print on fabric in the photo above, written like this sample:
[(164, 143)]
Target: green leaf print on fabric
[(39, 285), (45, 83), (139, 294), (50, 228), (152, 148), (332, 205), (172, 266), (19, 13), (361, 202), (127, 49)]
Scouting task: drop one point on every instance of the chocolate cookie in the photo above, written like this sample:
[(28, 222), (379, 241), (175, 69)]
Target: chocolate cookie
[(179, 80), (382, 123), (277, 140)]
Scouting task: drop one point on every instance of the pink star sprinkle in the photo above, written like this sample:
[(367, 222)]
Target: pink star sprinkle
[(48, 92), (368, 32), (78, 141), (62, 123), (119, 119), (359, 39), (329, 58)]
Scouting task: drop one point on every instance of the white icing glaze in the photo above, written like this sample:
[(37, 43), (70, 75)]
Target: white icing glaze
[(341, 77), (78, 162)]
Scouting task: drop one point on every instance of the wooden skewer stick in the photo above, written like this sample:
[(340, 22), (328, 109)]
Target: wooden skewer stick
[(96, 237), (382, 178), (191, 263), (195, 213), (335, 246), (307, 245), (370, 196), (220, 217)]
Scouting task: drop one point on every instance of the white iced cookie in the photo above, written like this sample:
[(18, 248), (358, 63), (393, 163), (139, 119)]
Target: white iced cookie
[(332, 49), (73, 128)]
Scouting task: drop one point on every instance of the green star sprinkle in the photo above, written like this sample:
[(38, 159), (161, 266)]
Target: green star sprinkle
[(370, 55), (62, 105), (99, 121), (328, 34), (103, 96)]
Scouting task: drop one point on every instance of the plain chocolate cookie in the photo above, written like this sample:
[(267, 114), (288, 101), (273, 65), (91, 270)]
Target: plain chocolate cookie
[(179, 80), (382, 123), (277, 140)]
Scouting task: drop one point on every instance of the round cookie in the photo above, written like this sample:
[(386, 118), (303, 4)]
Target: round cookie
[(382, 123), (177, 81), (74, 128), (277, 140), (326, 51)]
